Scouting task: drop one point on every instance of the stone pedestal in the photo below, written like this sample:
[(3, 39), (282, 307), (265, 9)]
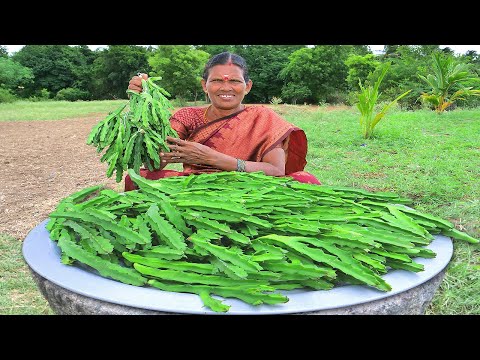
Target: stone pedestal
[(74, 290), (410, 302)]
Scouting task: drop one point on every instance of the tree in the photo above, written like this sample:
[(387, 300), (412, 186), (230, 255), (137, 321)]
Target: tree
[(3, 51), (447, 76), (215, 49), (55, 67), (359, 67), (472, 56), (293, 92), (361, 49), (390, 50), (321, 69), (265, 62), (84, 70), (407, 62), (14, 76), (424, 50), (181, 68), (115, 66), (448, 51)]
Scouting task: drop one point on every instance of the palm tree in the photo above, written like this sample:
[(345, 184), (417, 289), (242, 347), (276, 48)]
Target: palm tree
[(446, 76)]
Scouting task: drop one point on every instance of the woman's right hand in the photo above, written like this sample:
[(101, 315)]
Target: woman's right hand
[(135, 83)]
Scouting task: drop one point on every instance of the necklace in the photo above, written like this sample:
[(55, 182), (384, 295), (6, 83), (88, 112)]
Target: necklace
[(205, 113)]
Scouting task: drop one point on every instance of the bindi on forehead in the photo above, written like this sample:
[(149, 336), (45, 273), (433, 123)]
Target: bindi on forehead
[(226, 77)]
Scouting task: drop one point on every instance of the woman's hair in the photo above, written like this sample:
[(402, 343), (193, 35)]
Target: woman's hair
[(223, 59)]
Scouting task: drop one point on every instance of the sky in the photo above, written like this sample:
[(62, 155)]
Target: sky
[(458, 49)]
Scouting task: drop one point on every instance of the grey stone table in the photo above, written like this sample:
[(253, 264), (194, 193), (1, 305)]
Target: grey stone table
[(72, 290)]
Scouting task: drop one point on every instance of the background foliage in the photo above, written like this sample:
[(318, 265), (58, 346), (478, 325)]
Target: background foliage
[(292, 74)]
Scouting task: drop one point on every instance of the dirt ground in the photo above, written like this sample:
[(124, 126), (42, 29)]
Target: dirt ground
[(42, 162)]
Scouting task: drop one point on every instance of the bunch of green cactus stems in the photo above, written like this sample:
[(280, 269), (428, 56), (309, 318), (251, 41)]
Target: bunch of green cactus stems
[(243, 235), (135, 137)]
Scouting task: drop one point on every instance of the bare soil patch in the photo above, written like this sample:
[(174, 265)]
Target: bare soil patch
[(41, 163)]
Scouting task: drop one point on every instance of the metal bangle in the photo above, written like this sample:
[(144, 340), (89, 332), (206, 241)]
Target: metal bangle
[(240, 165)]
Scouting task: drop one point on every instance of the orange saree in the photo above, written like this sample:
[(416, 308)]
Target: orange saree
[(247, 135)]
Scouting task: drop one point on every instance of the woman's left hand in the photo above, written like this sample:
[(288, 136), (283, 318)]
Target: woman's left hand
[(187, 152)]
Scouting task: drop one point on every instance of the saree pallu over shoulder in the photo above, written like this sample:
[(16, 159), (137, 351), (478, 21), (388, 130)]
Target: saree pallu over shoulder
[(249, 135)]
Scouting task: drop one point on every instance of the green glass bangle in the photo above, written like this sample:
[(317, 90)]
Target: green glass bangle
[(240, 165)]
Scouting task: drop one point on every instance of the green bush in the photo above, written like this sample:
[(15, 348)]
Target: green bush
[(179, 101), (6, 96), (42, 95), (72, 94), (337, 98), (469, 103)]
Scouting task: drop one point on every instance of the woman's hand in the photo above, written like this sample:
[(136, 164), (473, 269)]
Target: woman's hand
[(135, 83), (187, 152)]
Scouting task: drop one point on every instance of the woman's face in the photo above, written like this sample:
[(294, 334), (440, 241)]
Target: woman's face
[(226, 86)]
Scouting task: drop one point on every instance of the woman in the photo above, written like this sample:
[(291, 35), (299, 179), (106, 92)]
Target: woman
[(227, 135)]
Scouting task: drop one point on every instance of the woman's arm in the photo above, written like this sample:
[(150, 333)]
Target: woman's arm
[(188, 152)]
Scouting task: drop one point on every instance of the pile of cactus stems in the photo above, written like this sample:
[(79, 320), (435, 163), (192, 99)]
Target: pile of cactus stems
[(246, 236)]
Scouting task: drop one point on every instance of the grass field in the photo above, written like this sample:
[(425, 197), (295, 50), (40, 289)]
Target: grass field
[(432, 159), (55, 110), (18, 292)]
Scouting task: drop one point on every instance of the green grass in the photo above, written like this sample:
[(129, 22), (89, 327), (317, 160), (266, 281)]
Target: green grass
[(59, 110), (19, 294), (459, 292), (432, 159), (55, 110), (435, 160)]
